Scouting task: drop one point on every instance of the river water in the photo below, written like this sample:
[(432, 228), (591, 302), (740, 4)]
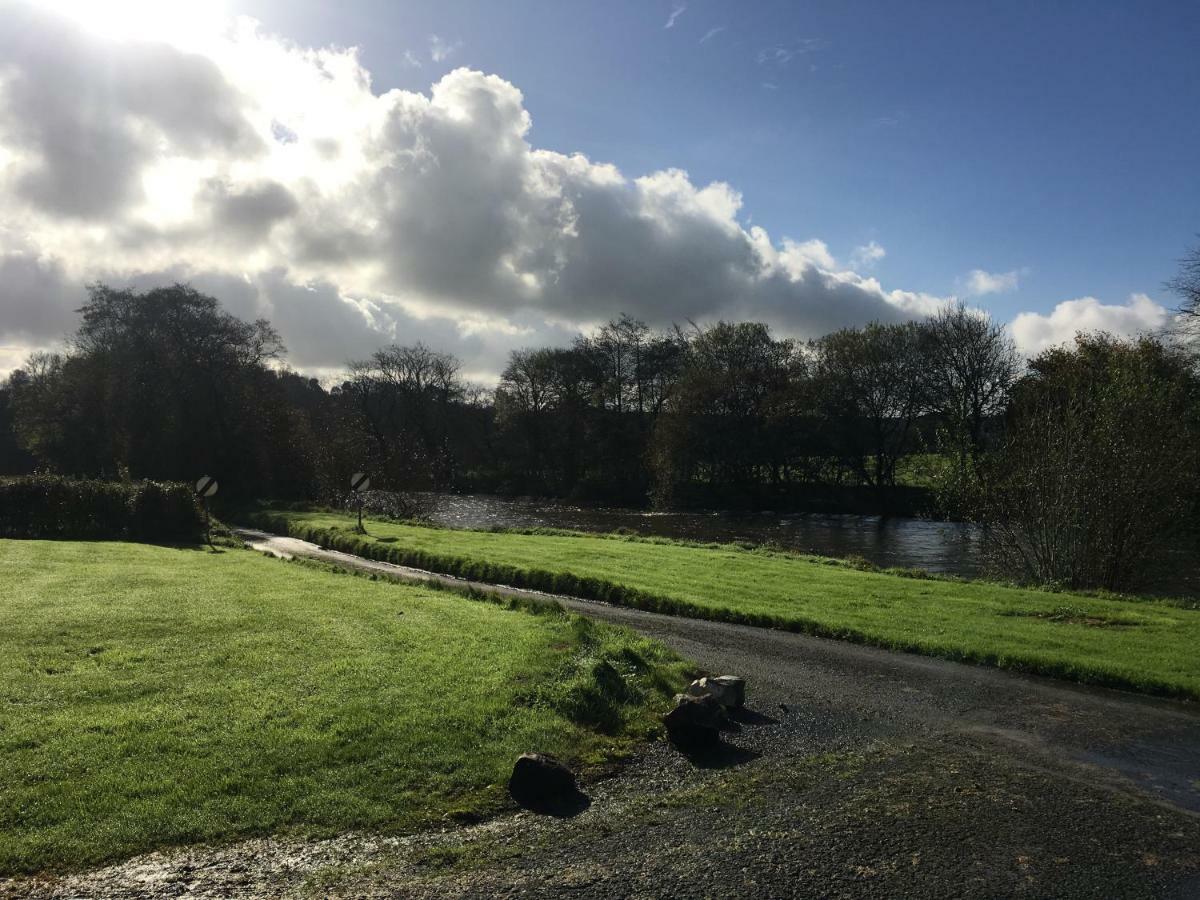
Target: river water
[(949, 547)]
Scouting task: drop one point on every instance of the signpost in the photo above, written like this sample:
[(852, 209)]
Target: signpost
[(359, 482), (205, 488)]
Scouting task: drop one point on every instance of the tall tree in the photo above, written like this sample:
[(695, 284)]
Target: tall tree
[(872, 380), (162, 384), (406, 400), (970, 365), (1100, 464)]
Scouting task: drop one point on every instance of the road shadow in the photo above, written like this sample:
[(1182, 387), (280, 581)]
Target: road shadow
[(719, 756), (566, 806), (747, 716)]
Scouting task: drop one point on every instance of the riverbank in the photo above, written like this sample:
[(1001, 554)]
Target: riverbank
[(153, 696), (953, 548), (1143, 645)]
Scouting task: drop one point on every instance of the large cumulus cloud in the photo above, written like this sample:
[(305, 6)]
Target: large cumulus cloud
[(1035, 332), (277, 178)]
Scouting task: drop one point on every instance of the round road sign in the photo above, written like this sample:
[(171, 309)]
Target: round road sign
[(206, 486), (359, 482)]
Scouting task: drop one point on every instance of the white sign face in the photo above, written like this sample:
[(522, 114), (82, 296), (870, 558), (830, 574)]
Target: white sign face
[(206, 486), (359, 482)]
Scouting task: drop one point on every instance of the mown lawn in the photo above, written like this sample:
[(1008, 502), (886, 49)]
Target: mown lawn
[(1143, 645), (151, 695)]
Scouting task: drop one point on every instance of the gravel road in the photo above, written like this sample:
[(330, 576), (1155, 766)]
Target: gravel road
[(856, 772)]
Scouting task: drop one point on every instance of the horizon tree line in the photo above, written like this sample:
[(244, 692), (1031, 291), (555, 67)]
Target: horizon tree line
[(166, 385)]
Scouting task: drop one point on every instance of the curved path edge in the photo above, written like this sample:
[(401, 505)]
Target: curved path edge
[(1127, 741)]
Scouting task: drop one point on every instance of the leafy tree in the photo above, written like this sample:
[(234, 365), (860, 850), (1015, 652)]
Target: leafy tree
[(717, 427), (872, 381), (164, 385), (969, 366), (406, 399), (1099, 466)]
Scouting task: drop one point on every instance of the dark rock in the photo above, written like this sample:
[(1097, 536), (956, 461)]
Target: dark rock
[(541, 783), (729, 690), (732, 690), (695, 722)]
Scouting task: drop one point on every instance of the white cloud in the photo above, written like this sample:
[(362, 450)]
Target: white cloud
[(711, 33), (276, 178), (867, 255), (978, 282), (440, 49), (1035, 332), (676, 11)]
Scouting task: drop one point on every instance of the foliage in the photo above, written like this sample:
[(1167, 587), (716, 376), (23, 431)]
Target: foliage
[(969, 365), (872, 376), (152, 696), (48, 506), (392, 505), (1100, 466), (163, 385), (166, 385), (412, 416), (959, 620)]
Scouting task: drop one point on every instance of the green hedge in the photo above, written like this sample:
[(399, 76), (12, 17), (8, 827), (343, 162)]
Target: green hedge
[(49, 506)]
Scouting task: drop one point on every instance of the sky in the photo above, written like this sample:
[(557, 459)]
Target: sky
[(486, 176)]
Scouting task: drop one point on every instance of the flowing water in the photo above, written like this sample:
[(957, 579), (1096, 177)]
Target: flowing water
[(950, 547)]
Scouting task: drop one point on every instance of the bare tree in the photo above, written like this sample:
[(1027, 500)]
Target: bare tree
[(1187, 286)]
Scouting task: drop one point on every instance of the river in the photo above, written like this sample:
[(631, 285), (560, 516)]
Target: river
[(948, 547)]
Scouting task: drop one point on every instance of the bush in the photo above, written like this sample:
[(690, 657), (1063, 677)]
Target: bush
[(1098, 470), (49, 506)]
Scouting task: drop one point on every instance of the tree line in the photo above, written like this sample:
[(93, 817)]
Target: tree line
[(166, 385)]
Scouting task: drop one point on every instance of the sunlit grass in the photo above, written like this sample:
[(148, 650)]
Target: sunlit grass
[(151, 695), (1144, 645)]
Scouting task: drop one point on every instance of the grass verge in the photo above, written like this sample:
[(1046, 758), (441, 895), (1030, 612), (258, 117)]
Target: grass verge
[(151, 696), (1142, 645)]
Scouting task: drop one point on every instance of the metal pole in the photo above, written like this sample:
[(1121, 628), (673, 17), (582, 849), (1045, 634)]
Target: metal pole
[(359, 495)]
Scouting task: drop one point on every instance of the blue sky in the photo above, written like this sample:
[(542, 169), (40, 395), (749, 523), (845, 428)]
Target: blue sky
[(1042, 136), (368, 171)]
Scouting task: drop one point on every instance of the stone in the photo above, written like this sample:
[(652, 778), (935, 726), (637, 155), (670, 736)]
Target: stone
[(732, 692), (695, 722), (539, 781), (728, 690)]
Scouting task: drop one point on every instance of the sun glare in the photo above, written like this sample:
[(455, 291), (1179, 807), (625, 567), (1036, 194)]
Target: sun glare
[(175, 21)]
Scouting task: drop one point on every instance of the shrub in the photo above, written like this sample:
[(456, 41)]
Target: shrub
[(49, 506), (1099, 466)]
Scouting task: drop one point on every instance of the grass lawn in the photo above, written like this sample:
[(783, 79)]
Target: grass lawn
[(151, 695), (1144, 645)]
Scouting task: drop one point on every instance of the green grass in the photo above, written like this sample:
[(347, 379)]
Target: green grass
[(151, 695), (1143, 645)]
